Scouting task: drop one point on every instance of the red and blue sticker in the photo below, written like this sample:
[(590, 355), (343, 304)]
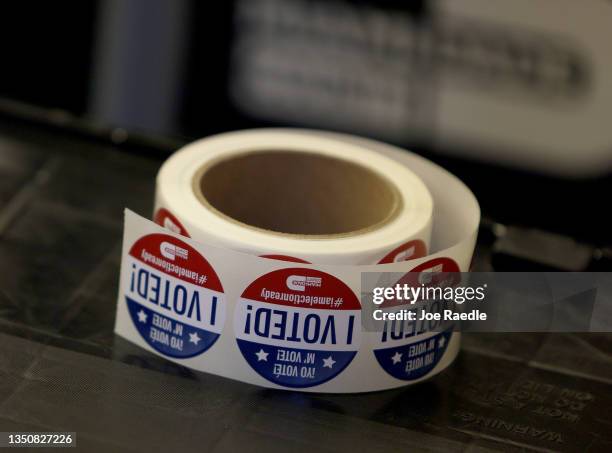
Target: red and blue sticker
[(174, 296), (409, 350), (298, 327)]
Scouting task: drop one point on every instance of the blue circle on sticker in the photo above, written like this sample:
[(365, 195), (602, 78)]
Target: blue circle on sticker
[(174, 296), (413, 360), (298, 327)]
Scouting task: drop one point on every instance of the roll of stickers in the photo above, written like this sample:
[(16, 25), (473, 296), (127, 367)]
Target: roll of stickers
[(297, 196), (253, 268)]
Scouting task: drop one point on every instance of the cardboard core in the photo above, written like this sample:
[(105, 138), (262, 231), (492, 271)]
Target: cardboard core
[(299, 193)]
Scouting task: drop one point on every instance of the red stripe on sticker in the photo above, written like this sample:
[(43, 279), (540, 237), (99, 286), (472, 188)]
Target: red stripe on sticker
[(405, 252), (176, 259), (300, 287), (165, 218)]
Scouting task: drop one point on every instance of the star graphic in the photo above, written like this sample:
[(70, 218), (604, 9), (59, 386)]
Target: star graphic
[(397, 358), (194, 338), (441, 342), (262, 355), (328, 362), (142, 316)]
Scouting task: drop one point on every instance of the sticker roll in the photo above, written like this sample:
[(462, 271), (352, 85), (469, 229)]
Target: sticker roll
[(296, 196), (199, 287)]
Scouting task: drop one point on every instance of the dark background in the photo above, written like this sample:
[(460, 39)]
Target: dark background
[(51, 58)]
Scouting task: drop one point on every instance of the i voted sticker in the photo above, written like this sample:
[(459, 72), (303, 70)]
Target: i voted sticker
[(173, 295), (298, 327), (410, 348)]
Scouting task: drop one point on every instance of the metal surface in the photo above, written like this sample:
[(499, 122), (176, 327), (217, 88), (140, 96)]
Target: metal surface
[(62, 369)]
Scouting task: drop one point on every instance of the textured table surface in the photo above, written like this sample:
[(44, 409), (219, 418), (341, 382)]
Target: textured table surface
[(62, 369)]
